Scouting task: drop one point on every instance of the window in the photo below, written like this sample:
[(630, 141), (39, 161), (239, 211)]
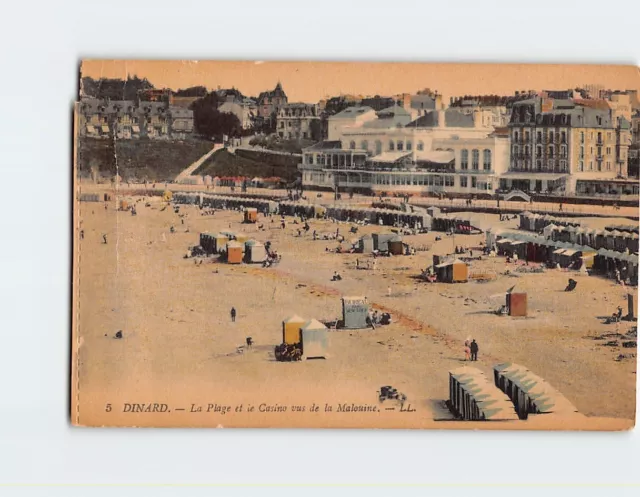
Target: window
[(538, 150), (515, 150), (539, 136), (526, 151), (420, 145), (282, 124), (608, 136), (449, 181), (378, 147), (364, 145), (515, 136), (608, 166), (391, 146), (563, 137), (486, 159), (539, 165), (550, 152), (581, 136), (526, 136), (608, 150), (475, 159), (463, 181), (550, 165), (599, 137), (409, 145), (581, 166), (550, 136), (352, 145), (563, 150), (563, 165), (590, 165), (464, 159), (400, 145), (474, 182)]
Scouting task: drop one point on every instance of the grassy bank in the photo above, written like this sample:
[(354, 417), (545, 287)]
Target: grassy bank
[(223, 163), (154, 160)]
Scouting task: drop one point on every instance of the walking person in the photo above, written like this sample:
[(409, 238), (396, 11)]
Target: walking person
[(467, 350), (104, 239), (474, 350), (233, 314)]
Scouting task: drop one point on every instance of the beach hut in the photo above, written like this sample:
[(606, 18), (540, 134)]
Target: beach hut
[(207, 242), (365, 244), (452, 271), (548, 230), (291, 329), (107, 197), (354, 312), (394, 245), (530, 393), (167, 196), (381, 241), (254, 252), (516, 304), (124, 205), (219, 242), (473, 397), (234, 252), (433, 211), (315, 340), (250, 215)]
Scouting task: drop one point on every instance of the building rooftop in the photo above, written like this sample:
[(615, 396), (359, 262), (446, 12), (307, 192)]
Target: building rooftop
[(353, 112)]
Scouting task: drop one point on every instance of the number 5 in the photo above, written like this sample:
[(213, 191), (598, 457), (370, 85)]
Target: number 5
[(108, 408)]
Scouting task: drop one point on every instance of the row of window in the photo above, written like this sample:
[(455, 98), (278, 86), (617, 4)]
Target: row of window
[(540, 136), (416, 180), (541, 165), (475, 159), (598, 166), (526, 150), (398, 145)]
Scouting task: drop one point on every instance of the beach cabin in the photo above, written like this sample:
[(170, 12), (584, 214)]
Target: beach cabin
[(315, 340), (516, 304), (452, 271), (254, 252), (219, 243), (250, 215), (381, 241), (530, 393), (207, 242), (354, 312), (291, 329), (365, 244), (395, 245), (473, 397), (234, 252)]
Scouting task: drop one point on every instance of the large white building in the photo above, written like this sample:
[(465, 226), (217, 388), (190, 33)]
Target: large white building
[(440, 152)]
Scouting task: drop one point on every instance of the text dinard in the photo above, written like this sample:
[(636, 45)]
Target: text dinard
[(262, 408)]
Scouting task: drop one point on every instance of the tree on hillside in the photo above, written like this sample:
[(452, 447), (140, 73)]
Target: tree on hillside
[(192, 91), (114, 89), (212, 123)]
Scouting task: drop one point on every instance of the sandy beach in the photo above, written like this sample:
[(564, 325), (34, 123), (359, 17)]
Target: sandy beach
[(179, 346)]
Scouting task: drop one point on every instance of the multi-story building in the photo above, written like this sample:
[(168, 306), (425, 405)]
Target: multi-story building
[(125, 119), (440, 152), (271, 101), (296, 120), (490, 109), (560, 146)]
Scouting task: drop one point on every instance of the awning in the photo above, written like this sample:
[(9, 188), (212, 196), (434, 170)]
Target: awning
[(105, 128), (570, 252), (90, 129), (135, 129), (439, 156), (390, 157), (518, 243), (534, 176), (502, 241), (559, 251)]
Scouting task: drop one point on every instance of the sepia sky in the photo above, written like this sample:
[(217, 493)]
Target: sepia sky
[(312, 81)]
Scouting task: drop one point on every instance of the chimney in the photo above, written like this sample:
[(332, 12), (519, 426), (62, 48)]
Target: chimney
[(441, 120)]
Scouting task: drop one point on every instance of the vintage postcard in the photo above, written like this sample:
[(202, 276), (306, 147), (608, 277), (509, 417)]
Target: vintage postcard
[(355, 245)]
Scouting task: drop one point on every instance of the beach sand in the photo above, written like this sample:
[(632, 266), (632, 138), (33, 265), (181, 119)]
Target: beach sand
[(180, 348)]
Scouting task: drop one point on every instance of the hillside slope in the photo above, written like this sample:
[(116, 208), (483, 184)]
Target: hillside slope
[(224, 163), (154, 160)]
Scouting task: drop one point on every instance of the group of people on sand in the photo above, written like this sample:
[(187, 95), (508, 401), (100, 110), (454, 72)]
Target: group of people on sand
[(471, 350)]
